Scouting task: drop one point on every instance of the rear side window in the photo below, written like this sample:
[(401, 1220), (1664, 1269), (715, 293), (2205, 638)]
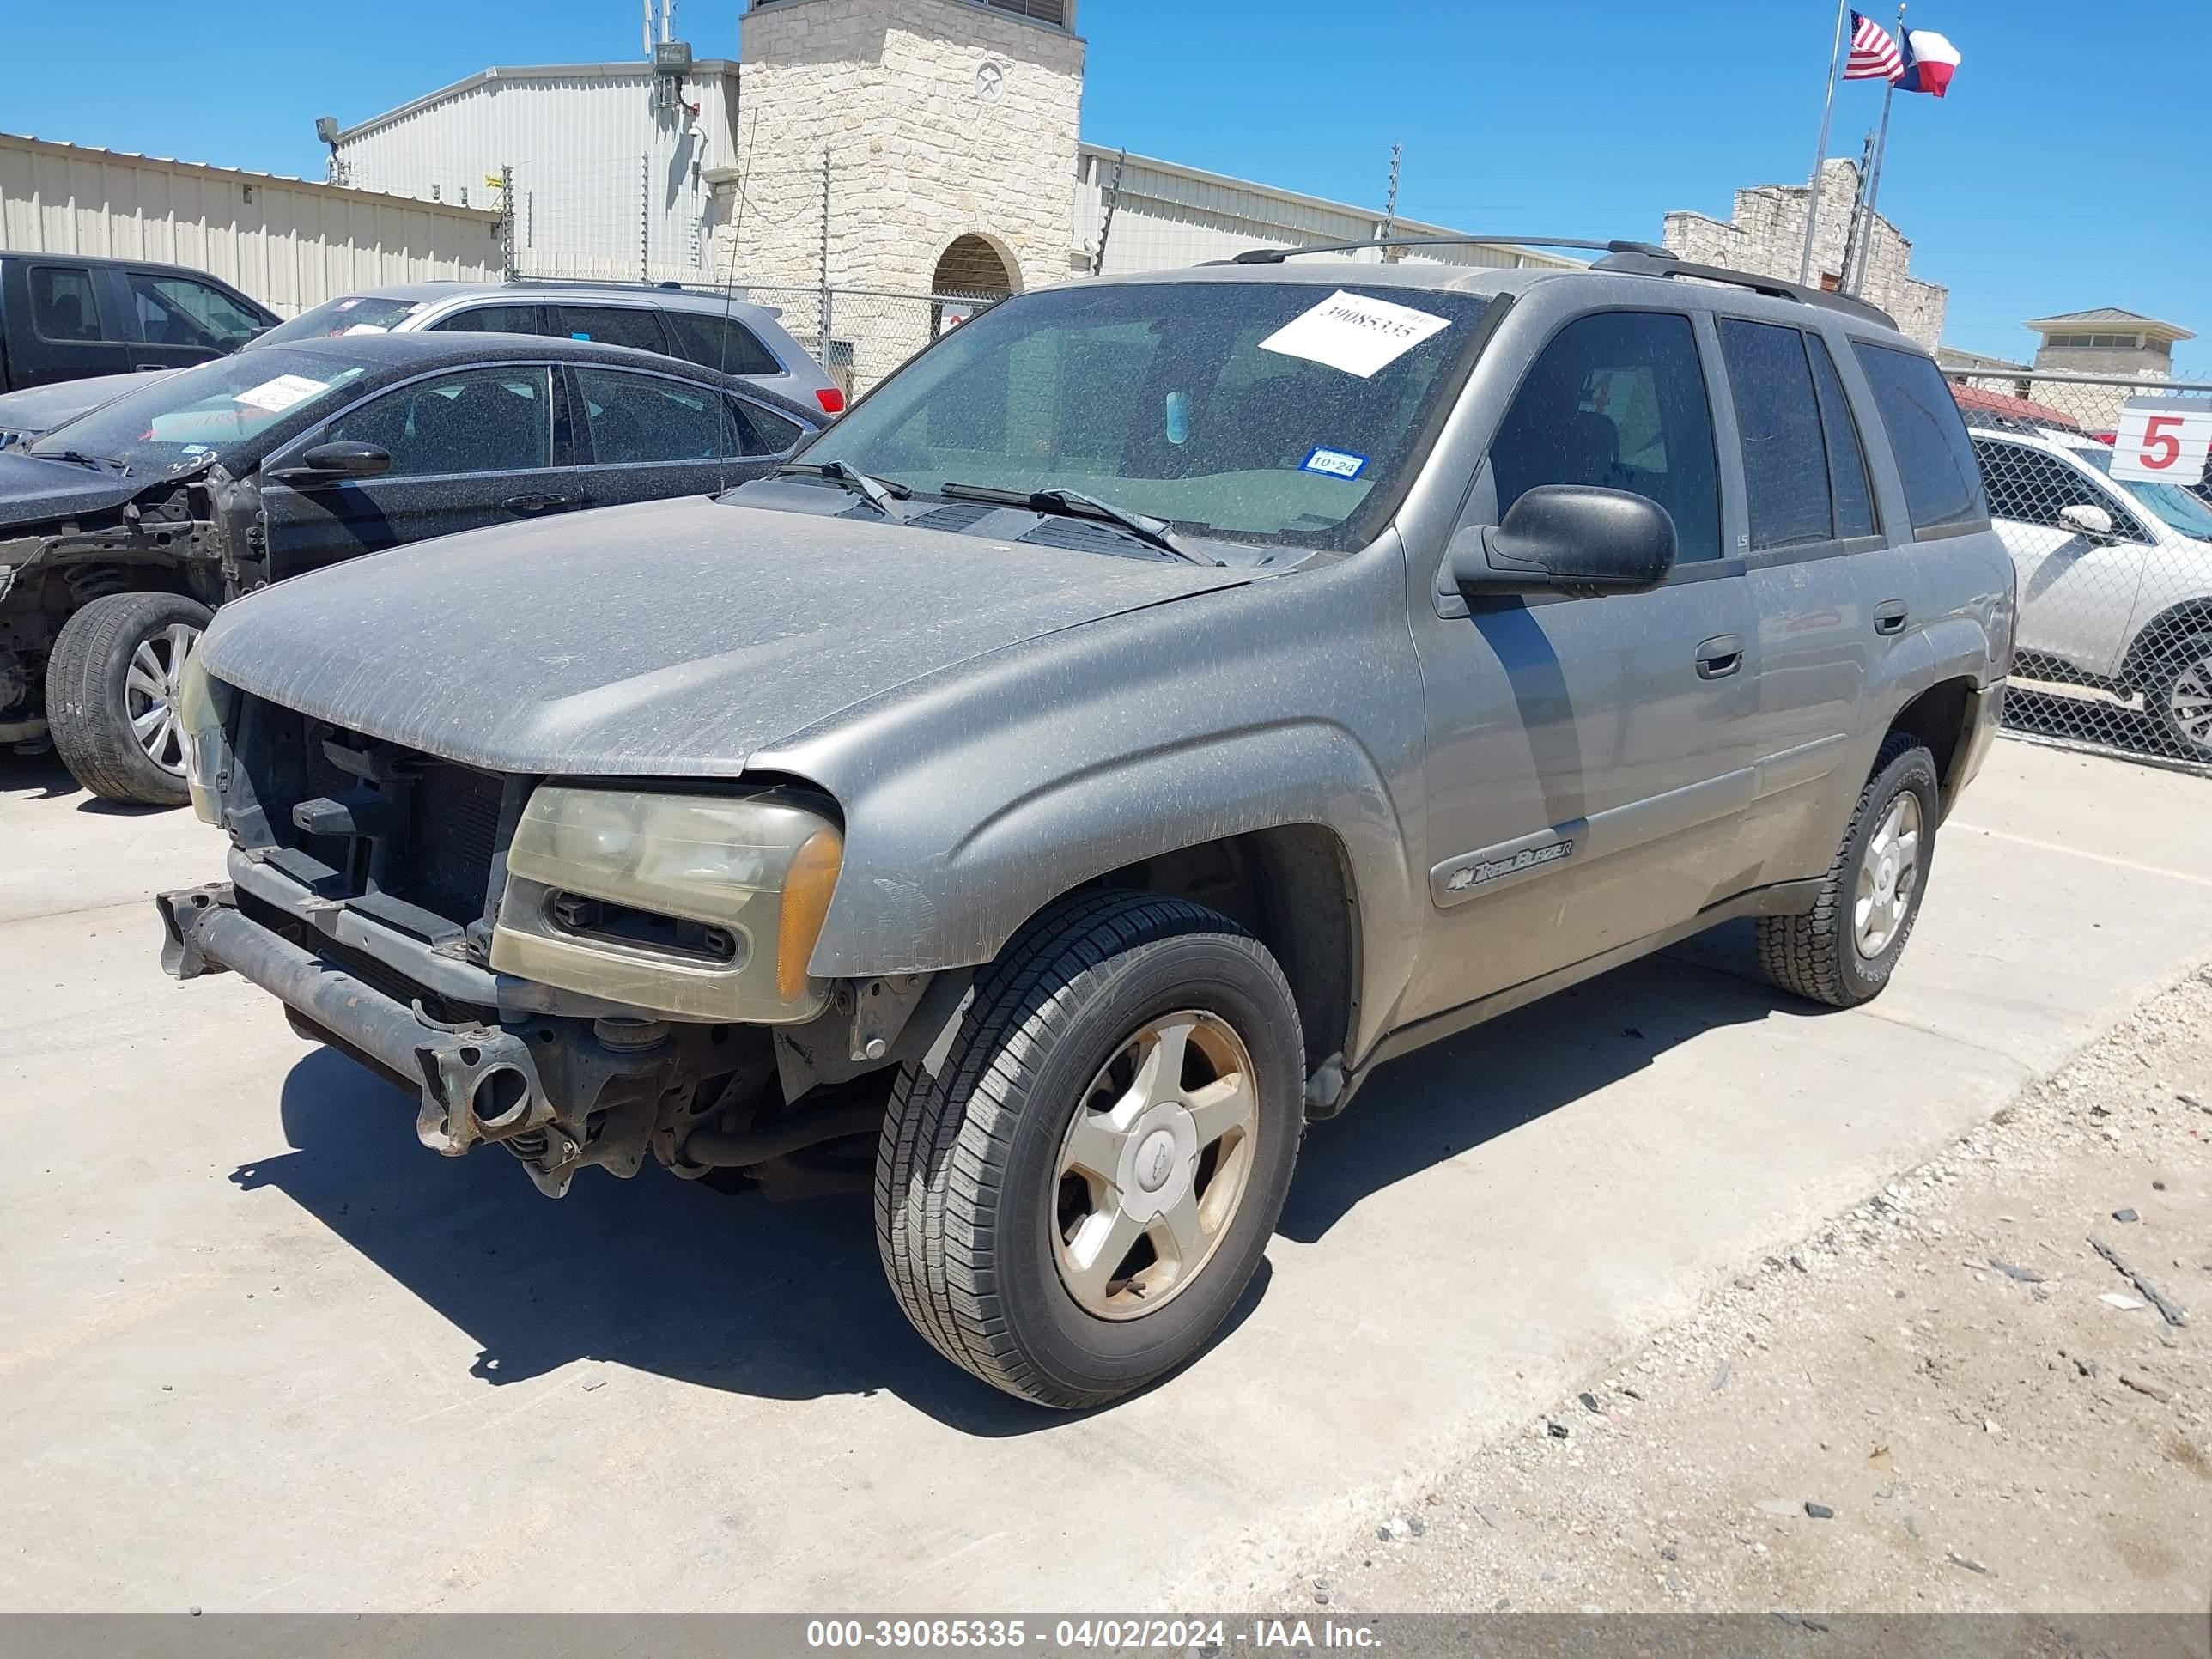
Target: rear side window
[(622, 325), (721, 343), (1618, 399), (62, 308), (1847, 473), (180, 311), (639, 418), (1785, 457), (1942, 485)]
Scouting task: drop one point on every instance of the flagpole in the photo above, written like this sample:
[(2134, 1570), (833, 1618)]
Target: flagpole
[(1858, 283), (1820, 151)]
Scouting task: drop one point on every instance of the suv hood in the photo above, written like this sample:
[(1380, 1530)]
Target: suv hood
[(33, 490), (667, 639)]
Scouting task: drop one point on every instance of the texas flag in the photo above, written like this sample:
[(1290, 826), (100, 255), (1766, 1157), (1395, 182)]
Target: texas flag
[(1929, 61)]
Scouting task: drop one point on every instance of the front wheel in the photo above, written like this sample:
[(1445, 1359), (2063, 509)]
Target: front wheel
[(1842, 953), (111, 686), (2179, 695), (1073, 1202)]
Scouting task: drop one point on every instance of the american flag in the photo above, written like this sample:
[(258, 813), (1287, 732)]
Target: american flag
[(1874, 56)]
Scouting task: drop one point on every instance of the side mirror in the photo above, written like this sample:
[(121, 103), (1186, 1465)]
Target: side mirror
[(2083, 519), (1574, 538), (335, 463)]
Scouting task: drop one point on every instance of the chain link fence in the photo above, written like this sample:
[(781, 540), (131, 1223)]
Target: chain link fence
[(2115, 635)]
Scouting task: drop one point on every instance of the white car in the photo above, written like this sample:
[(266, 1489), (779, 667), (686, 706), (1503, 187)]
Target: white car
[(2115, 575)]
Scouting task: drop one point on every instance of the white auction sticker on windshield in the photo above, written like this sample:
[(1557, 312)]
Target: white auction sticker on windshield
[(1354, 333), (280, 394)]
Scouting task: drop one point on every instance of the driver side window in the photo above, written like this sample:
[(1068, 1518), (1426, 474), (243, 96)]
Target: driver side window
[(1618, 399), (2026, 486), (477, 420)]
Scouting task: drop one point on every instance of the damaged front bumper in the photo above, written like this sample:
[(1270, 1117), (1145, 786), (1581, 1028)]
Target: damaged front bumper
[(561, 1092)]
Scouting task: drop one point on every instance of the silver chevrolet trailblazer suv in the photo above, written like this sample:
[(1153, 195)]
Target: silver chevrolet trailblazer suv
[(1158, 705)]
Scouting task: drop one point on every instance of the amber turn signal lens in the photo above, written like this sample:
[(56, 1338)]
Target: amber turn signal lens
[(808, 885)]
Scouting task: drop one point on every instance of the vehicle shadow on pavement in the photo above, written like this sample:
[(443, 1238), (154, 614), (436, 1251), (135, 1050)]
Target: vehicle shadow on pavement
[(38, 777), (1442, 1100), (785, 1301)]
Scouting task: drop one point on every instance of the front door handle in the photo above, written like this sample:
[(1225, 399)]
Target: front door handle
[(1889, 616), (1719, 657), (540, 503), (148, 368)]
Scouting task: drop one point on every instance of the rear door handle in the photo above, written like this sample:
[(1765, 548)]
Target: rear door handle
[(1889, 616), (148, 368), (1719, 657), (541, 503)]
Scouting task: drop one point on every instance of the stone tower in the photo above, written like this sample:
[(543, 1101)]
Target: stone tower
[(950, 126)]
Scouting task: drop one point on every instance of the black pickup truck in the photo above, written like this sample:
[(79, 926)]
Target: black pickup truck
[(69, 316)]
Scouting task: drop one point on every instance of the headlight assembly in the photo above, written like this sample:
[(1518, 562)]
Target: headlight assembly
[(701, 907)]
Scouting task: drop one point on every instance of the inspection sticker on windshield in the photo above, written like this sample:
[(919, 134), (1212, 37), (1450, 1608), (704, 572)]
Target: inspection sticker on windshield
[(1335, 463), (280, 394), (1354, 333)]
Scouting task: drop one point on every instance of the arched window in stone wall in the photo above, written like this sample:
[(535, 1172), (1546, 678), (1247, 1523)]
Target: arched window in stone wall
[(972, 265)]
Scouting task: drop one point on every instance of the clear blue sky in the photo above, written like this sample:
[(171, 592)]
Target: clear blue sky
[(2068, 168)]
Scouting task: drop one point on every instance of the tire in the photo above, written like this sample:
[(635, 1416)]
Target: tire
[(116, 659), (981, 1218), (1828, 956), (2178, 693)]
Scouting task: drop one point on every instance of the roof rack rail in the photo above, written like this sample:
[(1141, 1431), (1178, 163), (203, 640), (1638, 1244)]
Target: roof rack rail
[(1275, 256), (1641, 261)]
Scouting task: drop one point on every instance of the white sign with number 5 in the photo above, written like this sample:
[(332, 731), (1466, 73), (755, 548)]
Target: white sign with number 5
[(2164, 439)]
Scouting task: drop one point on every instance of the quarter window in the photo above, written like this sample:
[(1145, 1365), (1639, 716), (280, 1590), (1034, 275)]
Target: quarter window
[(1778, 415), (62, 308), (1618, 399), (476, 420), (636, 418), (760, 431), (1942, 485)]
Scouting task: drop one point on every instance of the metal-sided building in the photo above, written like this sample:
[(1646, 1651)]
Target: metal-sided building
[(608, 160), (291, 243)]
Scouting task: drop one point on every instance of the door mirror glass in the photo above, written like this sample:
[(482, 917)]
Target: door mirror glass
[(2085, 520), (1575, 539), (335, 463)]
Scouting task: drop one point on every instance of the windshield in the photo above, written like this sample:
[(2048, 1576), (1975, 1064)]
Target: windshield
[(1269, 410), (2175, 506), (357, 313), (211, 409)]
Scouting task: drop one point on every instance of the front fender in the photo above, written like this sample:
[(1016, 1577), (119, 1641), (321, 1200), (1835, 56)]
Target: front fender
[(1023, 853)]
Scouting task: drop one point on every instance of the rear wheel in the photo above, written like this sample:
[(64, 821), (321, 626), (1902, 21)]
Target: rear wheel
[(1843, 951), (1074, 1202), (112, 687)]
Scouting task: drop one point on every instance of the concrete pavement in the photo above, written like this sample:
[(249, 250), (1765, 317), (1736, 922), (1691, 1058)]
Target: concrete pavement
[(261, 1351)]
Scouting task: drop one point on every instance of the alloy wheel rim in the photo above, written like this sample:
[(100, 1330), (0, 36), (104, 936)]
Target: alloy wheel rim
[(1155, 1164), (2189, 703), (1889, 874), (149, 695)]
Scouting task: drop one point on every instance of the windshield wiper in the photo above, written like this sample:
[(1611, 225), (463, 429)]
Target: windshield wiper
[(879, 492), (98, 463), (1073, 504)]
